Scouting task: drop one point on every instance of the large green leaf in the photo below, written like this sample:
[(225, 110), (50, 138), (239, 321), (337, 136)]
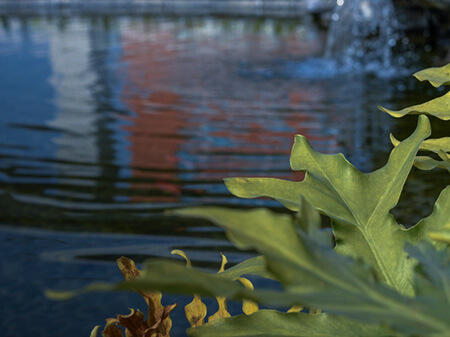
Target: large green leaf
[(438, 107), (436, 76), (318, 277), (359, 203), (272, 323)]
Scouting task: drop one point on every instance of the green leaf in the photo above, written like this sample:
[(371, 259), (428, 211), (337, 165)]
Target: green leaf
[(432, 272), (438, 107), (272, 323), (62, 295), (436, 76), (316, 277), (434, 145), (253, 266), (358, 203), (435, 222), (440, 146), (309, 222), (441, 235), (428, 163)]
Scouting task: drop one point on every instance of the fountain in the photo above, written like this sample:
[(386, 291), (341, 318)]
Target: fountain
[(361, 39), (362, 35)]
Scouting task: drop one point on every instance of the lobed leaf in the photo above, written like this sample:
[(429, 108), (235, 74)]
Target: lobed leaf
[(362, 224), (438, 107), (437, 76)]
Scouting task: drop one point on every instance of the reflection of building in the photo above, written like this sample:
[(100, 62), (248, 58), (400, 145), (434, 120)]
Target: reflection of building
[(59, 90), (73, 80), (196, 122), (157, 122), (90, 149)]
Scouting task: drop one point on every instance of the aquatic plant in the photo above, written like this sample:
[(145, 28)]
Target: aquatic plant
[(370, 276)]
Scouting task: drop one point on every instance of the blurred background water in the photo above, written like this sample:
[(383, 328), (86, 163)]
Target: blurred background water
[(106, 122)]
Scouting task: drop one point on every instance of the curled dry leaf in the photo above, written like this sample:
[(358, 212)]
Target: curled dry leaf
[(157, 323)]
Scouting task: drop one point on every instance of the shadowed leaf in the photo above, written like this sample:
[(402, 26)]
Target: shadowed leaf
[(270, 323), (253, 266)]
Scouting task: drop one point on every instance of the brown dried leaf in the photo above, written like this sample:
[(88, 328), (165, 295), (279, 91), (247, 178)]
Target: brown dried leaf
[(152, 298), (158, 322), (134, 323), (111, 328), (163, 328)]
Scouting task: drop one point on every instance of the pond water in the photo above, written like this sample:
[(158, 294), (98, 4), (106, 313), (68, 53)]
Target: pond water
[(107, 122)]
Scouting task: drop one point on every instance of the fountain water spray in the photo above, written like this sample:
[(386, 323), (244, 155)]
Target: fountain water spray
[(362, 35)]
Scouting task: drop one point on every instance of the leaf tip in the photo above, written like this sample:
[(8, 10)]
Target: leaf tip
[(393, 113), (59, 295)]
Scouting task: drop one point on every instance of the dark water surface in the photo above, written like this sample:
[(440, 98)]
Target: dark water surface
[(106, 122)]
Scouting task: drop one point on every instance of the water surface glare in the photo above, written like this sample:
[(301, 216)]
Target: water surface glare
[(107, 122)]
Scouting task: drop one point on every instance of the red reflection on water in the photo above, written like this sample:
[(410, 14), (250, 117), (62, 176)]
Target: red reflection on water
[(186, 101), (156, 119)]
